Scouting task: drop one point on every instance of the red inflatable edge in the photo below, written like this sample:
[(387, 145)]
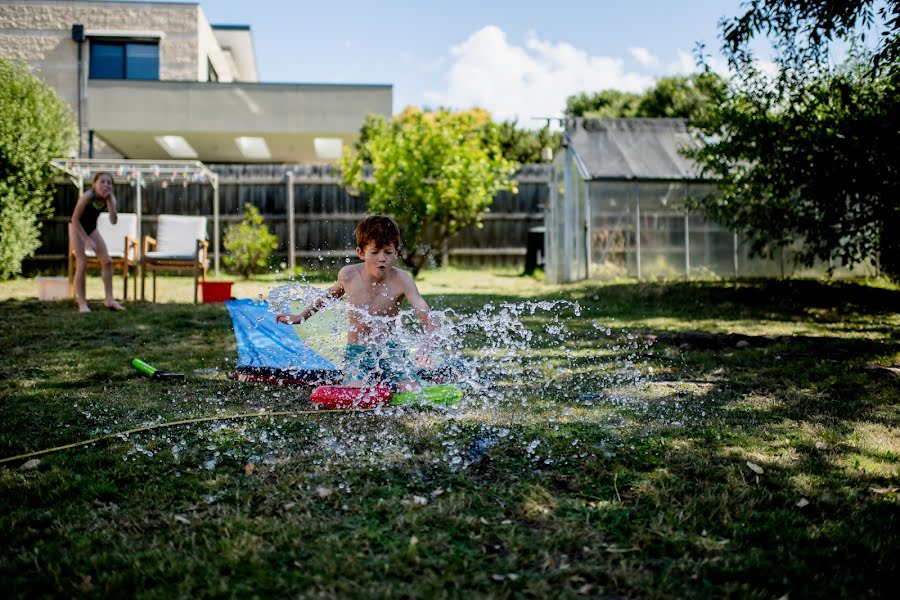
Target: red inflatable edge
[(339, 396)]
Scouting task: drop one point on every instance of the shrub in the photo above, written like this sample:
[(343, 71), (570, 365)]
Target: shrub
[(249, 243), (35, 126)]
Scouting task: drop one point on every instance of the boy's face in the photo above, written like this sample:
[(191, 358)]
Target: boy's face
[(378, 261)]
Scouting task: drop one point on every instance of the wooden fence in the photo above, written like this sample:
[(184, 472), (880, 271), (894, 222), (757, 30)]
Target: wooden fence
[(325, 215)]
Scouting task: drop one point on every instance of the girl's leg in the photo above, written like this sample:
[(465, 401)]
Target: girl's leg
[(80, 268), (106, 264)]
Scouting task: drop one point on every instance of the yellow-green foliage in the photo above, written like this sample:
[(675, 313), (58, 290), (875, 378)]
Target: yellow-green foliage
[(435, 172)]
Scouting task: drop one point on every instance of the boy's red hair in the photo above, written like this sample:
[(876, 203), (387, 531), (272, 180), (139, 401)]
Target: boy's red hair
[(379, 230)]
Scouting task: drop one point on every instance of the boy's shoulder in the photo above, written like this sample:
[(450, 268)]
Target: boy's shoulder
[(401, 276), (348, 271)]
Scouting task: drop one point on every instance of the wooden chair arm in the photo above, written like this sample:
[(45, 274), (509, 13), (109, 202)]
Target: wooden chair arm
[(148, 242), (130, 242)]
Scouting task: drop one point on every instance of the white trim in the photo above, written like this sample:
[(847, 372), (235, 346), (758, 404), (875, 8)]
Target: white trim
[(124, 33)]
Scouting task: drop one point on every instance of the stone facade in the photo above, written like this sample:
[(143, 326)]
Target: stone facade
[(39, 32)]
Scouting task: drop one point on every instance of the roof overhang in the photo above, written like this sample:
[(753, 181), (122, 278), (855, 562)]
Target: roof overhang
[(232, 122)]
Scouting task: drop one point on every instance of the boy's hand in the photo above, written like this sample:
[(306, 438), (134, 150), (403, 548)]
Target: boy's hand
[(287, 318)]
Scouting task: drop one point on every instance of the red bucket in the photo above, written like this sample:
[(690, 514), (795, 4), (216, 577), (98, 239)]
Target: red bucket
[(215, 291)]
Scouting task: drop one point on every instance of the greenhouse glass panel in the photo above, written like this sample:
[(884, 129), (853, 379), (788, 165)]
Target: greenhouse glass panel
[(661, 229), (612, 229)]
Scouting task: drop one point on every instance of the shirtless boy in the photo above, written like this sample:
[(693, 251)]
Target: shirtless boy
[(375, 290)]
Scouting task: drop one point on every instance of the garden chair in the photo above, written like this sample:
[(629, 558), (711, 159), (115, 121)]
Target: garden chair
[(180, 245), (122, 245)]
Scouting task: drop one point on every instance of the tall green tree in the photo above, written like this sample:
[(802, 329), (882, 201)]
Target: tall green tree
[(603, 104), (524, 145), (435, 172), (688, 97), (809, 156), (35, 126)]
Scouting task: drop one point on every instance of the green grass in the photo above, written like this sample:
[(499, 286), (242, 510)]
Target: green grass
[(613, 461)]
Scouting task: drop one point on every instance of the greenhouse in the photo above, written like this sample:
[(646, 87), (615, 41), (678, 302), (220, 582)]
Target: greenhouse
[(616, 208)]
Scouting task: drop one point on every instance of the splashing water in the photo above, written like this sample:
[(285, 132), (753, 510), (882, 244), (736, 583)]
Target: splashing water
[(539, 378)]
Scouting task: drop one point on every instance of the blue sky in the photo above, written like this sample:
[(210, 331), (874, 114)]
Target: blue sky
[(516, 59)]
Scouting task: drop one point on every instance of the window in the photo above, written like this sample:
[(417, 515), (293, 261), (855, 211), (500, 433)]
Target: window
[(124, 60)]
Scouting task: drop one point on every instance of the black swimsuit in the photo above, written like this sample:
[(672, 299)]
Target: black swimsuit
[(89, 216)]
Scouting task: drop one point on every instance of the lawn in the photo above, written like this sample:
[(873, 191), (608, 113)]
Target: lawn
[(667, 439)]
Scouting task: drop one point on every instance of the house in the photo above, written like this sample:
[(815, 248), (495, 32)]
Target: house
[(156, 80)]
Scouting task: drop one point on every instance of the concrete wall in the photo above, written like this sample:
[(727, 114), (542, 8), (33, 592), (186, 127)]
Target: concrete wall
[(38, 32), (208, 50)]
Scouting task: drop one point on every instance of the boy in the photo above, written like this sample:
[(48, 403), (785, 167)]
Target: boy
[(374, 290)]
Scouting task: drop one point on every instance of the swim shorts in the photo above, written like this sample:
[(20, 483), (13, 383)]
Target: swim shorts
[(387, 364)]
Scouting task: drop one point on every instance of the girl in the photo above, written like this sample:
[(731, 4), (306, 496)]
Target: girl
[(84, 234)]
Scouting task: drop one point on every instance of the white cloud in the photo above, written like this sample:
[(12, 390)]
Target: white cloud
[(684, 64), (526, 81), (644, 56)]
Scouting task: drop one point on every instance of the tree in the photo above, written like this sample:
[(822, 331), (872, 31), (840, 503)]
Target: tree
[(606, 103), (690, 97), (808, 156), (687, 97), (525, 145), (35, 126), (435, 172), (249, 243)]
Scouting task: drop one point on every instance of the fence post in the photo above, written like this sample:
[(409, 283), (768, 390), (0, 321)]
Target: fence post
[(216, 223), (736, 272), (637, 229), (290, 221)]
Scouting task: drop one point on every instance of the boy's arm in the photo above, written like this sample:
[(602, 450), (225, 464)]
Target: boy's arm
[(423, 312), (417, 302), (335, 291)]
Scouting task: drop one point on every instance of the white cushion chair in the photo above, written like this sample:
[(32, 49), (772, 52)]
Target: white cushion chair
[(180, 245), (121, 243)]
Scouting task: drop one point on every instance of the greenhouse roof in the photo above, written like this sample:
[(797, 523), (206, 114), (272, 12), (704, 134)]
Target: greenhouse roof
[(633, 148)]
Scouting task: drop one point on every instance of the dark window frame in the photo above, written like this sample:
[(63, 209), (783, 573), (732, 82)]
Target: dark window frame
[(122, 45)]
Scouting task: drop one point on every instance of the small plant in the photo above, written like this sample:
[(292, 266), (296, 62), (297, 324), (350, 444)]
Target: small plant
[(249, 244)]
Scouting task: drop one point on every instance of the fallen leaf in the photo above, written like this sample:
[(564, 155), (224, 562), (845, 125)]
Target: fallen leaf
[(497, 577), (437, 492), (755, 468), (182, 520), (883, 490), (249, 468), (30, 465), (821, 445), (324, 492), (742, 344), (413, 540), (290, 505), (512, 576), (420, 500), (802, 502)]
